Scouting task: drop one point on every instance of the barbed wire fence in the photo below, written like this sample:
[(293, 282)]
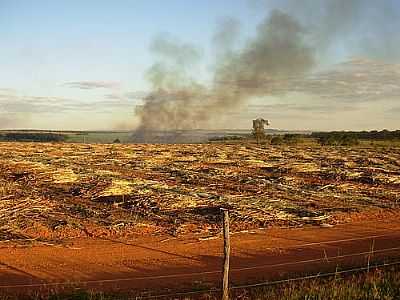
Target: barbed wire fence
[(375, 257)]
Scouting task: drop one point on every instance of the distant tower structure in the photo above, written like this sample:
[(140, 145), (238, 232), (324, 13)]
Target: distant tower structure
[(259, 129)]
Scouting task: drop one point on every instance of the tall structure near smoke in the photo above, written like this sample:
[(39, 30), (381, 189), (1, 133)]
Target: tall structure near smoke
[(259, 128)]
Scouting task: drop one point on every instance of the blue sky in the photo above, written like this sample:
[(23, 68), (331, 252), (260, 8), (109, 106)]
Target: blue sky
[(96, 40), (76, 64)]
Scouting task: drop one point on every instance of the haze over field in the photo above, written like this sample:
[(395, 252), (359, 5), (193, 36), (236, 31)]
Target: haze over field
[(312, 65)]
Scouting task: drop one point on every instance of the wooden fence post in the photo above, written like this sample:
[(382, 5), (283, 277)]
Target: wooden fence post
[(227, 250)]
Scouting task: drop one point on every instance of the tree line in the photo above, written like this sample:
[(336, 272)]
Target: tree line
[(32, 137), (349, 138)]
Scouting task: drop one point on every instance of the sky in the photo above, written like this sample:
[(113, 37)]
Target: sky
[(81, 65)]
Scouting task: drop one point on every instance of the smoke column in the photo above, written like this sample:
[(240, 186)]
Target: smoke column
[(288, 43), (178, 101)]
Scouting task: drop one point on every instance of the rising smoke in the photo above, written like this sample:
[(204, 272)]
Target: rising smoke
[(287, 44), (178, 101)]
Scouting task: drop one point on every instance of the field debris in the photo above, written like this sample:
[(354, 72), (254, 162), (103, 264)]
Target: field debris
[(58, 191)]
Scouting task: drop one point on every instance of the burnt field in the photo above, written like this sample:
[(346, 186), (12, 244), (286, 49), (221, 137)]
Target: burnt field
[(50, 192)]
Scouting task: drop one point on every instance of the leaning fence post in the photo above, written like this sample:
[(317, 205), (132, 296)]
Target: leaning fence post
[(227, 250)]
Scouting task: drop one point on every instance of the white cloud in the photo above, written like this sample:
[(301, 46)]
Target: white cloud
[(91, 85)]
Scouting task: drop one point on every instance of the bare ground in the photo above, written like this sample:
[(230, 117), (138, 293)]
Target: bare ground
[(159, 263)]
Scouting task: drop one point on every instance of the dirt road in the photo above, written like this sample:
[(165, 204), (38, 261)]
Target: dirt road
[(160, 262)]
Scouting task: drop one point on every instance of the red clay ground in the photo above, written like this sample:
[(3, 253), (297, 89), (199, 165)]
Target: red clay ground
[(161, 262)]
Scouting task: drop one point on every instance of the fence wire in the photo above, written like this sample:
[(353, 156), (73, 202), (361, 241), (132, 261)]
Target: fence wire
[(328, 259), (196, 274), (270, 283)]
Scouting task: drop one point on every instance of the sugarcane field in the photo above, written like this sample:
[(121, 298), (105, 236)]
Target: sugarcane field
[(54, 192)]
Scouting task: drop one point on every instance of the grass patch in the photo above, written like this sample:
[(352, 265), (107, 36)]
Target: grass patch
[(377, 284)]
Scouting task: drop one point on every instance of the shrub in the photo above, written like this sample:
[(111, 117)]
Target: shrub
[(291, 139), (338, 140), (277, 140)]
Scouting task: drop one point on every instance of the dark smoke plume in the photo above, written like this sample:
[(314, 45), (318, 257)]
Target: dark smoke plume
[(285, 48), (179, 102)]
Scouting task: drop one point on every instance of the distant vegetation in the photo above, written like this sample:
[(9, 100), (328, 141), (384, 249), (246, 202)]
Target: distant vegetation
[(351, 138), (362, 135), (333, 138), (229, 138), (267, 139), (32, 137), (103, 137), (274, 137), (338, 139)]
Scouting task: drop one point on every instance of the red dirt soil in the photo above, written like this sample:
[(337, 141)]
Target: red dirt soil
[(155, 263)]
